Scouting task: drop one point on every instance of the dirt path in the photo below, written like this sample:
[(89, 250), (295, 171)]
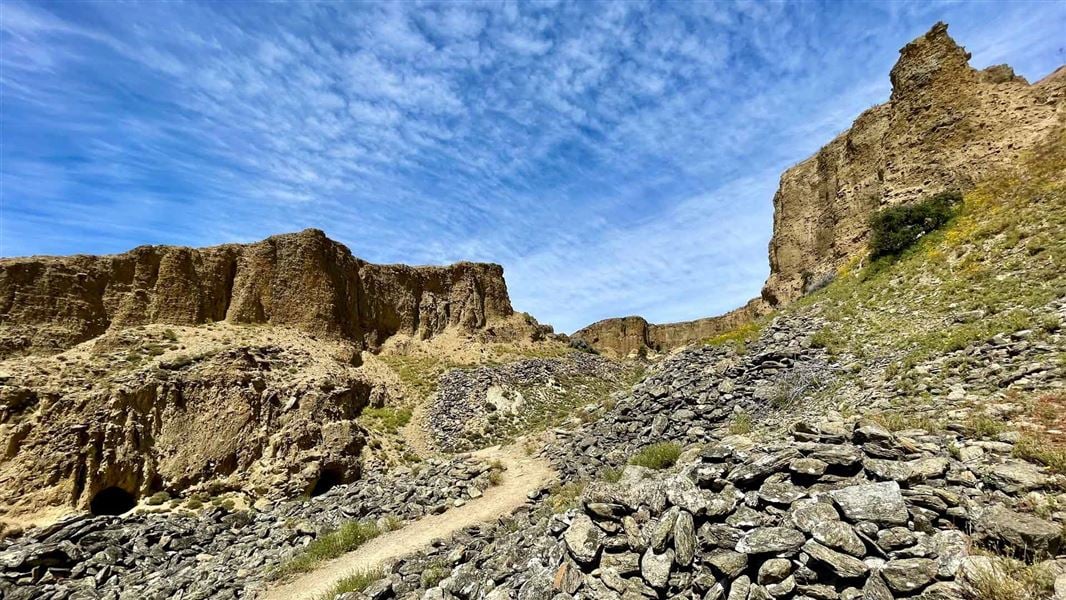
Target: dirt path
[(415, 434), (522, 474)]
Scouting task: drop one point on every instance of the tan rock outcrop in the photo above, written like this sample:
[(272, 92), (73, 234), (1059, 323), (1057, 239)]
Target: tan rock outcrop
[(265, 410), (946, 126), (303, 280), (626, 336)]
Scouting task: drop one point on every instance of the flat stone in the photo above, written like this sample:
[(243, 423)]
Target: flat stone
[(655, 568), (762, 465), (839, 536), (684, 539), (805, 514), (876, 502), (583, 539), (764, 540), (840, 564), (728, 563), (774, 570), (1017, 476), (808, 466), (909, 574), (1023, 531), (781, 492)]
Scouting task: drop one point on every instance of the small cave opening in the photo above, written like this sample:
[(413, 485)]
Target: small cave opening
[(112, 501), (327, 479)]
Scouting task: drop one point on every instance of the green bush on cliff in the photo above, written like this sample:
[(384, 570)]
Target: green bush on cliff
[(894, 229)]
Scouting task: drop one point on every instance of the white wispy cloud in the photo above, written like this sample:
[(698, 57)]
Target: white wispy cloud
[(617, 158)]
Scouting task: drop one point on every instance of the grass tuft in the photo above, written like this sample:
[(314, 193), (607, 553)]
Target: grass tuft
[(564, 497), (356, 582), (350, 536), (741, 424), (1009, 579), (1035, 448), (662, 455)]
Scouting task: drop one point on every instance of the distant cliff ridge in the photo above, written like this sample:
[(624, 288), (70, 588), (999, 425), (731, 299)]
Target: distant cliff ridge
[(945, 126), (625, 336), (303, 280)]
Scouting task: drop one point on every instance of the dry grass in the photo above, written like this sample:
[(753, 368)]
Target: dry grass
[(350, 536), (1009, 579), (741, 424), (564, 497), (657, 456), (356, 582)]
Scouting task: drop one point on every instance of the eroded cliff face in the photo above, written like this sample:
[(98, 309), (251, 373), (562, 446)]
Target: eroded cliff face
[(945, 127), (265, 410), (628, 336), (303, 280)]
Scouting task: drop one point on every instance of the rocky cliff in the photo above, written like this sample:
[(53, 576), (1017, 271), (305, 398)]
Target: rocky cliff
[(945, 126), (303, 280), (625, 336)]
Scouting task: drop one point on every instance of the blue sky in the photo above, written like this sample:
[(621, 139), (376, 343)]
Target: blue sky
[(616, 158)]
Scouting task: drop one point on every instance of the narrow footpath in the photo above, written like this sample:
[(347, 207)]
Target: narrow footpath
[(522, 474)]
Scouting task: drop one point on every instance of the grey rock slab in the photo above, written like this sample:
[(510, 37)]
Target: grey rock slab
[(838, 563), (909, 574), (728, 563), (877, 502), (1023, 531), (655, 568), (774, 570), (808, 466), (765, 540), (839, 536), (762, 465), (584, 539), (876, 589), (684, 539), (805, 514)]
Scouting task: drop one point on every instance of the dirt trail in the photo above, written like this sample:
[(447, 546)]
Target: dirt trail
[(522, 474)]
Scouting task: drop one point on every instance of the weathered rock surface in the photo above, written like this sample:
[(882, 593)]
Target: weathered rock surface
[(945, 125), (628, 336), (280, 419), (302, 280)]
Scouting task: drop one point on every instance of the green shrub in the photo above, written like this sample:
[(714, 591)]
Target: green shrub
[(895, 228), (657, 456), (157, 498), (1043, 451), (611, 474)]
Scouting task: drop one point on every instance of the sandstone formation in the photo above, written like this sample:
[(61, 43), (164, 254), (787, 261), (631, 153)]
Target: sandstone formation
[(627, 336), (945, 127), (303, 280), (118, 420)]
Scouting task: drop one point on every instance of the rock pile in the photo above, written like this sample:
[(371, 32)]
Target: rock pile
[(467, 399), (840, 511), (217, 553), (696, 391)]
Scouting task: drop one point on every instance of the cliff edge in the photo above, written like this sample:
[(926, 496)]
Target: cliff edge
[(945, 127), (302, 280)]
